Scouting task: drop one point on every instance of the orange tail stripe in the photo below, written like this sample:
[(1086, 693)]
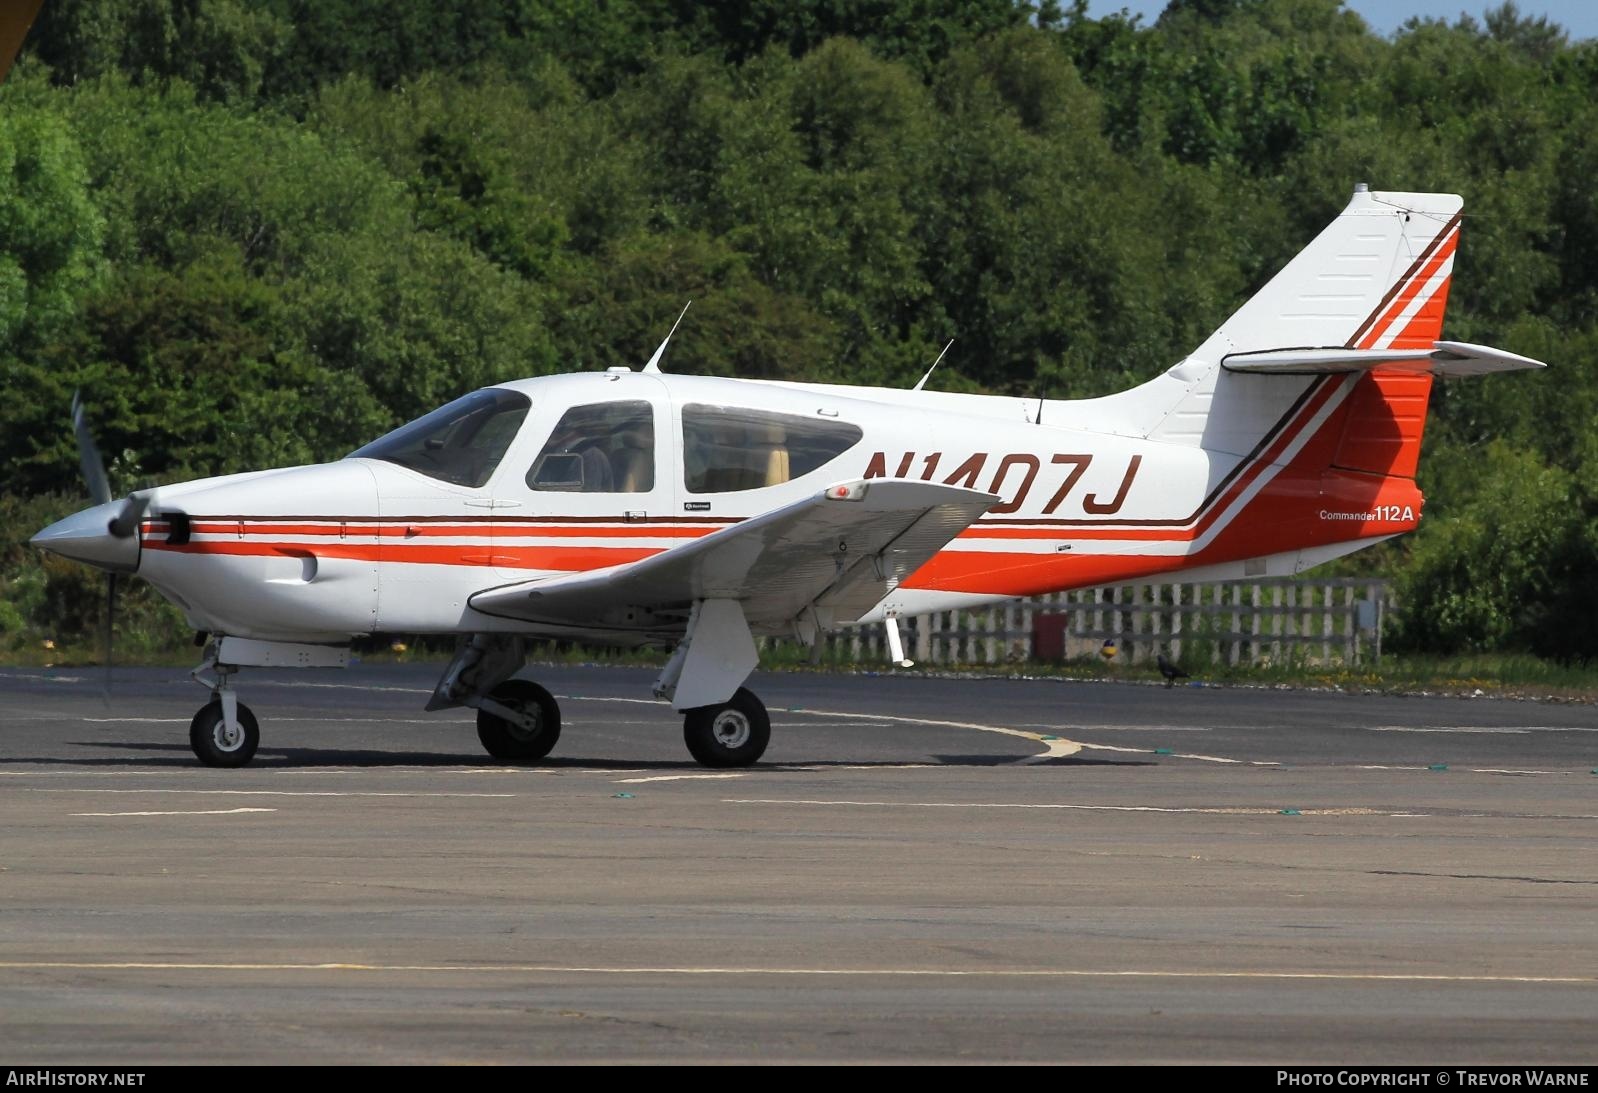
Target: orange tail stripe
[(1407, 296)]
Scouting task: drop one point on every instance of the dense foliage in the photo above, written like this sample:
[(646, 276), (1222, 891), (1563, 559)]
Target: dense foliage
[(262, 231)]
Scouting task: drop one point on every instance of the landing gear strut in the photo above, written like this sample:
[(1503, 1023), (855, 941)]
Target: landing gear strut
[(728, 734)]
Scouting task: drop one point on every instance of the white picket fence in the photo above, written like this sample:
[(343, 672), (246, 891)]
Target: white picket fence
[(1329, 621)]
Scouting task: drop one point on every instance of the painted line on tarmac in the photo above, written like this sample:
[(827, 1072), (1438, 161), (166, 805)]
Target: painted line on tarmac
[(343, 687), (133, 720), (1486, 731), (1217, 811), (276, 720), (741, 970), (271, 792), (206, 812), (1052, 727), (1466, 770), (676, 778), (1183, 755), (1506, 730), (1053, 749), (261, 770)]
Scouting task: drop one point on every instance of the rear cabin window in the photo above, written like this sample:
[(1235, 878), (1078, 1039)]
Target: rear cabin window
[(461, 443), (730, 448), (605, 447)]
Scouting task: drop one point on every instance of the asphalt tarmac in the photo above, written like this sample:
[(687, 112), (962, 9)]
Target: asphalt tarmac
[(922, 870)]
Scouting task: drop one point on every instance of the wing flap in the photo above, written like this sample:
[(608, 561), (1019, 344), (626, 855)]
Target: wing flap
[(1443, 359), (843, 549)]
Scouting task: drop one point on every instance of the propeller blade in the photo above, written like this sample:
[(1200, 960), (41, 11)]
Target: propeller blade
[(89, 455), (126, 522)]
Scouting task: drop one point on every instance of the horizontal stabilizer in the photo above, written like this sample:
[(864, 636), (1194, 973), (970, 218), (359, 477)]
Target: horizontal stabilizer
[(1442, 359), (842, 549)]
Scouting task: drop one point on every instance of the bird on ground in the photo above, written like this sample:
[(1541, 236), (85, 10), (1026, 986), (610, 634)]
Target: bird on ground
[(1170, 671), (1107, 650)]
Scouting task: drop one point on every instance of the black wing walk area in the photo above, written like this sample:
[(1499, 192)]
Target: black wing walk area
[(840, 551)]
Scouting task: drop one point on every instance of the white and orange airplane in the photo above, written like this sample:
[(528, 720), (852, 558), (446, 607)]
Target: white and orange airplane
[(634, 508)]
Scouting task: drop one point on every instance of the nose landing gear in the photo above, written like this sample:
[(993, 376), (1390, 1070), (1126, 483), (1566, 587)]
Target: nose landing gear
[(224, 733), (219, 743)]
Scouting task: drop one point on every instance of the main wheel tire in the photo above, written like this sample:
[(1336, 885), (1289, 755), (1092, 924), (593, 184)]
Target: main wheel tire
[(506, 740), (730, 734), (214, 745)]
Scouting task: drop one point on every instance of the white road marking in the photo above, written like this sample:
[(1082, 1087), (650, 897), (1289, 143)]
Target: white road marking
[(1053, 748), (271, 792), (1503, 770), (1184, 755), (295, 772), (342, 687), (741, 970), (135, 720), (676, 778), (1461, 729), (207, 812), (1056, 749), (1112, 728), (1465, 770), (276, 720), (1221, 811)]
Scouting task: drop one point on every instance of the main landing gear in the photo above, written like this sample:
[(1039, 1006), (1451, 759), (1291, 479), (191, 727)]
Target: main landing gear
[(518, 720), (728, 734)]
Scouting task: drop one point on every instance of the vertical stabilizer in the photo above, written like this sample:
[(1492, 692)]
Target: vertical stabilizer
[(1376, 277)]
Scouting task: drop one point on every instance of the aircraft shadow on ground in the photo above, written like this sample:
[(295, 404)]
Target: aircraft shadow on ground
[(179, 755)]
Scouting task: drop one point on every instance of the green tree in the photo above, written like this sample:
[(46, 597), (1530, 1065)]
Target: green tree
[(50, 229)]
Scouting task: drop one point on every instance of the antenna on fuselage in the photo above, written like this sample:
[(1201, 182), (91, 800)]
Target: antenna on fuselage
[(922, 382), (654, 362)]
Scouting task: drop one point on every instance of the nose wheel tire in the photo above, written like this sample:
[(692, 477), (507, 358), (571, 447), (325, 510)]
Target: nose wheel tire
[(507, 740), (730, 734), (215, 744)]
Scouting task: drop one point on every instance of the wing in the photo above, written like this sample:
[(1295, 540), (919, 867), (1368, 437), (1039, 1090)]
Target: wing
[(840, 551)]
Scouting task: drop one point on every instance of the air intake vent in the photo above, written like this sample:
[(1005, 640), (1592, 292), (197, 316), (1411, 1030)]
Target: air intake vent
[(178, 527)]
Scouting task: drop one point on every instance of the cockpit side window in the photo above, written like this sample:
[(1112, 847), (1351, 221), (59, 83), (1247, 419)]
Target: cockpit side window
[(461, 442), (604, 447), (732, 448)]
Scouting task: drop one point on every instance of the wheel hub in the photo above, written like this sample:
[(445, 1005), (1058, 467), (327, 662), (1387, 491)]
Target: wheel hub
[(526, 732), (225, 738), (731, 729)]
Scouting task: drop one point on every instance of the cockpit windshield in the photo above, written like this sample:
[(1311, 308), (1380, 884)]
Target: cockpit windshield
[(461, 443)]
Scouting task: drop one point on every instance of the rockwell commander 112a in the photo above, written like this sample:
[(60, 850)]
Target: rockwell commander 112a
[(631, 508)]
